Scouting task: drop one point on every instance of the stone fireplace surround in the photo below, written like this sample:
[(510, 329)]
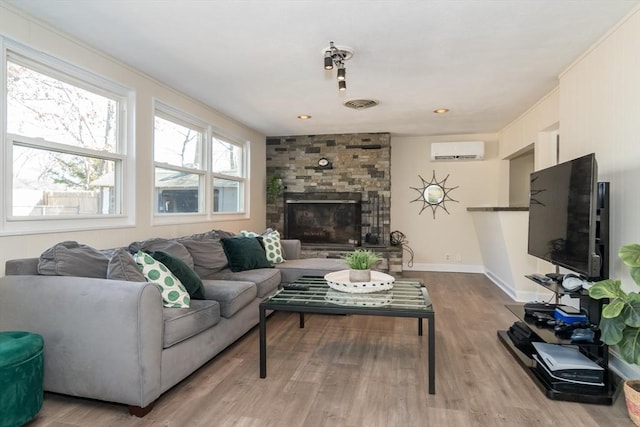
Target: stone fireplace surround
[(358, 163)]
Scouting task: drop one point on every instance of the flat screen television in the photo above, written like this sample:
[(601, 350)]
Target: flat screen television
[(563, 215)]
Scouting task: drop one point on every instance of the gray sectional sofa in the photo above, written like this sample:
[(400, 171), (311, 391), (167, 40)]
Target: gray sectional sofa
[(113, 340)]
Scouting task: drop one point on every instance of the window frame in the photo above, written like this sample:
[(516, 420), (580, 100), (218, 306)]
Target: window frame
[(123, 153), (242, 179), (176, 116)]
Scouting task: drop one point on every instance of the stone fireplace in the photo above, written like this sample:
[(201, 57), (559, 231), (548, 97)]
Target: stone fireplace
[(357, 167)]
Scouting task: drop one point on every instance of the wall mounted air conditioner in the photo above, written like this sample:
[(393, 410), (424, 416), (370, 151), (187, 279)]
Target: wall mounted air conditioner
[(466, 150)]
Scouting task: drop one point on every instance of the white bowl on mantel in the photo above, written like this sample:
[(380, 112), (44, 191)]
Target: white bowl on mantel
[(339, 280)]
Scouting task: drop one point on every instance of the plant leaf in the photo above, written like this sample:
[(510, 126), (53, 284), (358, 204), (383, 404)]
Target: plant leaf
[(608, 288), (630, 345), (630, 254), (632, 310), (613, 309), (611, 330), (635, 274)]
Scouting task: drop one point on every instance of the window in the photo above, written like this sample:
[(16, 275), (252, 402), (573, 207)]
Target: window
[(179, 171), (228, 170), (66, 144)]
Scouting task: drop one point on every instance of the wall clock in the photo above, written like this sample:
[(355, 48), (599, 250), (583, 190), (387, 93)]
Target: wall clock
[(324, 163)]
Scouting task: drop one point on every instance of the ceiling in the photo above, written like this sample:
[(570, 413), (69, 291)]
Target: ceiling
[(260, 61)]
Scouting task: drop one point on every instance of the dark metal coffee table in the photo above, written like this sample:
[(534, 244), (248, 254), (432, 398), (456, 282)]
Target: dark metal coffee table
[(408, 298)]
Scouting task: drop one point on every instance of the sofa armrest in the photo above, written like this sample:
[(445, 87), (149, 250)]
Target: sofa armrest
[(102, 338), (292, 248)]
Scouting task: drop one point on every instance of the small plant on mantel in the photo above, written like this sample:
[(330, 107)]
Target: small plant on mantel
[(360, 262), (620, 321), (275, 187)]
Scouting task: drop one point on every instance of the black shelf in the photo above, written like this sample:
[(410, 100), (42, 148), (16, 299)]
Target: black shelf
[(599, 352), (566, 392)]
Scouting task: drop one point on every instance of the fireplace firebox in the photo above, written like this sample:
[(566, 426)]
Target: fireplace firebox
[(324, 218)]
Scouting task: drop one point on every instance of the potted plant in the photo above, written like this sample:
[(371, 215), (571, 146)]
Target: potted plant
[(360, 262), (620, 321), (275, 187)]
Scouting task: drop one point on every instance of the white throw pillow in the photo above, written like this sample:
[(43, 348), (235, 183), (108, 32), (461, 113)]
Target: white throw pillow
[(174, 294), (272, 246)]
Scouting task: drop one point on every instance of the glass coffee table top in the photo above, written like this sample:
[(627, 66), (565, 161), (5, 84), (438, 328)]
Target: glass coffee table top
[(407, 295)]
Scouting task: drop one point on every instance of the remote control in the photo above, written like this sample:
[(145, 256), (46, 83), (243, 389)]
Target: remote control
[(296, 287), (541, 278)]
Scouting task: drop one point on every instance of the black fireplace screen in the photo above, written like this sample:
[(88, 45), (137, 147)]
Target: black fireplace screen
[(324, 221)]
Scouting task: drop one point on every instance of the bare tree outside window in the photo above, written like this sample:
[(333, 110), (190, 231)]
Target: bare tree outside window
[(64, 137)]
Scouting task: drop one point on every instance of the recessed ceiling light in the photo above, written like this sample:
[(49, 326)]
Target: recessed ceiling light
[(441, 110), (304, 116)]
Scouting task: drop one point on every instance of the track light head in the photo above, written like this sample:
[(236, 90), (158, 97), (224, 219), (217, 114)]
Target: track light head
[(342, 85), (328, 60), (342, 72)]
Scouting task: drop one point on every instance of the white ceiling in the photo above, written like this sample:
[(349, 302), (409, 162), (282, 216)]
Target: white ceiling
[(260, 61)]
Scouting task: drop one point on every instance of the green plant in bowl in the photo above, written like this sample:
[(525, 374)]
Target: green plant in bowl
[(362, 259)]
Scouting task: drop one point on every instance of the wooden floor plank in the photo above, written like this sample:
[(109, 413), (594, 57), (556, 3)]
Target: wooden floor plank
[(356, 371)]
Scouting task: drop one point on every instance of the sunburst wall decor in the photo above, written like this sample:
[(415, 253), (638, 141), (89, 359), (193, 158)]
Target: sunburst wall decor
[(433, 194)]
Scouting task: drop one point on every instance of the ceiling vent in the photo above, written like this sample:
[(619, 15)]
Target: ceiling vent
[(467, 150), (361, 104)]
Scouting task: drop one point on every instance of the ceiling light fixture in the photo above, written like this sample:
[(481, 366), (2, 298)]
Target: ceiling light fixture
[(441, 110), (335, 56), (304, 116)]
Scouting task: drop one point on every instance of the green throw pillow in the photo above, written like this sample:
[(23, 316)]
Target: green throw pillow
[(174, 295), (245, 253), (183, 272), (271, 241)]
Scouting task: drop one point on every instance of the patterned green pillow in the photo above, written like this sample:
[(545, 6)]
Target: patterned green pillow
[(272, 246), (174, 294)]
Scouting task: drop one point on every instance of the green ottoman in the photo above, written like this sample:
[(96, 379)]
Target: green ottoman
[(21, 366)]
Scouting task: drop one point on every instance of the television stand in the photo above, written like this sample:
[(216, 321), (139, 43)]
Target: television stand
[(597, 351)]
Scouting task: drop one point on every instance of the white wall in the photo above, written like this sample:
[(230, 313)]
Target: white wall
[(598, 110), (23, 29), (454, 234)]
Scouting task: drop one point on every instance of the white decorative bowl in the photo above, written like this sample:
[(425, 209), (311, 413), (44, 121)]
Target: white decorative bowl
[(339, 280)]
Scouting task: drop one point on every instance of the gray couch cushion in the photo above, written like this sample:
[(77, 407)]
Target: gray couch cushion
[(232, 295), (292, 269), (265, 279), (183, 323), (72, 259), (207, 253), (164, 245), (122, 266)]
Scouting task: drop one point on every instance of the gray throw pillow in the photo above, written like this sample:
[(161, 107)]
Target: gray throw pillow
[(122, 266), (72, 259), (207, 253), (164, 245)]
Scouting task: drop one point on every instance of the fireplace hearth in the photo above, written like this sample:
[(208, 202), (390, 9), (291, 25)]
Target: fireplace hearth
[(324, 218)]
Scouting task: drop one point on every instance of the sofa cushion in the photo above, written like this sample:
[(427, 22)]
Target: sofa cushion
[(271, 241), (72, 259), (245, 253), (292, 269), (170, 246), (122, 266), (180, 324), (183, 272), (174, 294), (266, 280), (232, 295), (207, 253)]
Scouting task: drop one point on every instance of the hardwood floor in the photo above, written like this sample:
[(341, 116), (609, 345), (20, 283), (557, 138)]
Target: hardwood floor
[(361, 371)]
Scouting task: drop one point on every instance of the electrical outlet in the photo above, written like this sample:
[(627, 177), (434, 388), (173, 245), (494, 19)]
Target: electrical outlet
[(447, 257), (458, 258)]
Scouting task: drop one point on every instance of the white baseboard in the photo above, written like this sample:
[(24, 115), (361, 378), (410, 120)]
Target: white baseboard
[(502, 285), (449, 268)]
